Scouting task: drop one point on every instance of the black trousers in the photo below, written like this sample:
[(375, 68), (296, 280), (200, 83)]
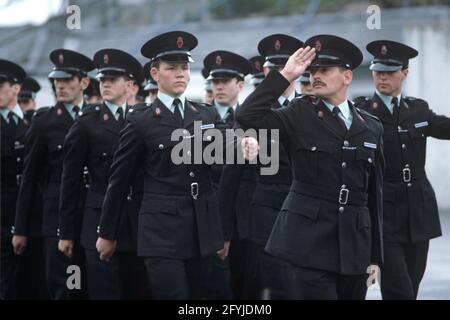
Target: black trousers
[(56, 271), (238, 259), (403, 269), (123, 277), (313, 284), (267, 277), (178, 279), (218, 279), (31, 271), (8, 270)]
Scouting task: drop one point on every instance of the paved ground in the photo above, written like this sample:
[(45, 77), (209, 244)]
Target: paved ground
[(436, 282)]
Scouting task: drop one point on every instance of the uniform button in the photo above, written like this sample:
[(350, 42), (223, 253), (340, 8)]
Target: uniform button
[(403, 146), (343, 186), (370, 160), (189, 153), (57, 232), (313, 148), (12, 230), (346, 143), (409, 185), (18, 159), (59, 146), (161, 146), (341, 209), (344, 165), (104, 154), (399, 128), (406, 165), (98, 229), (17, 143), (192, 175)]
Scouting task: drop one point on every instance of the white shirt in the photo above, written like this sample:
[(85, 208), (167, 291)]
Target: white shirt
[(345, 113), (18, 113), (222, 109), (167, 101), (69, 108), (282, 99), (387, 100), (113, 108)]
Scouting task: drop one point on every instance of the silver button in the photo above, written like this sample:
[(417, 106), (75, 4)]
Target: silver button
[(409, 185), (161, 146), (344, 165), (98, 229), (17, 143), (189, 153), (313, 148), (370, 160), (97, 108), (399, 128), (343, 186), (406, 165), (59, 146), (18, 159), (403, 146), (80, 113), (346, 143), (341, 209), (192, 175), (104, 154)]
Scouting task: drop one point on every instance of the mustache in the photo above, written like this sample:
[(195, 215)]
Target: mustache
[(319, 82)]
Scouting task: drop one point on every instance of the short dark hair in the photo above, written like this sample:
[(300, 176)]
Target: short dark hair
[(155, 63)]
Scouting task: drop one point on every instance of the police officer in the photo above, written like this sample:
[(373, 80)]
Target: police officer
[(150, 87), (265, 203), (227, 71), (91, 142), (209, 95), (411, 216), (257, 70), (305, 83), (328, 231), (27, 97), (13, 130), (179, 222), (136, 91), (43, 164)]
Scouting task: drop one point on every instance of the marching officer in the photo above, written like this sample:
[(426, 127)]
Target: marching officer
[(92, 93), (328, 231), (13, 130), (27, 97), (411, 215), (265, 203), (227, 71), (257, 70), (43, 164), (209, 95), (179, 221), (91, 142), (151, 87)]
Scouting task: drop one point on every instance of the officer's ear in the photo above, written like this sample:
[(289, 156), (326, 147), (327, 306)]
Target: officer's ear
[(16, 88), (405, 73), (85, 83), (348, 76), (241, 84)]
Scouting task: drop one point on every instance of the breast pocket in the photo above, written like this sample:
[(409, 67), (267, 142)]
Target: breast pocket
[(364, 161), (161, 155), (310, 155)]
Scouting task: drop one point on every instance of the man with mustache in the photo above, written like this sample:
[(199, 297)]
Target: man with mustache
[(91, 142), (329, 229), (411, 215), (43, 165), (179, 223)]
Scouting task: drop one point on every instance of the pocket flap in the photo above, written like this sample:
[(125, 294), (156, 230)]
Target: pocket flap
[(364, 219), (299, 204)]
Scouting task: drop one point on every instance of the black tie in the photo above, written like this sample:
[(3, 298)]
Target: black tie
[(230, 115), (11, 122), (286, 103), (120, 118), (395, 110), (177, 112), (76, 110), (341, 122)]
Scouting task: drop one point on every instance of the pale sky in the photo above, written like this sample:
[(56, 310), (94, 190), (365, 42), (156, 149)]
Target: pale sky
[(27, 11)]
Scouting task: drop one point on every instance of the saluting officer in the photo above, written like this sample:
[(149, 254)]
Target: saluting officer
[(328, 231), (91, 142), (27, 97), (43, 164), (179, 221), (13, 130), (411, 215)]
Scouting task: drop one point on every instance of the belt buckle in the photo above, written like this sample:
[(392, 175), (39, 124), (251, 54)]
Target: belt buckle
[(406, 175), (194, 190), (343, 196)]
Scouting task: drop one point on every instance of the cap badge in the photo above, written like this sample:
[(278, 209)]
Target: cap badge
[(180, 42), (106, 59), (384, 50), (61, 58), (277, 45), (218, 60), (318, 46)]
